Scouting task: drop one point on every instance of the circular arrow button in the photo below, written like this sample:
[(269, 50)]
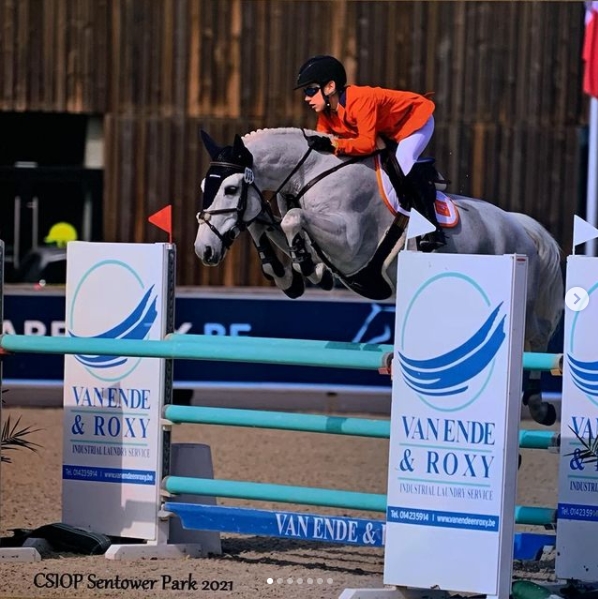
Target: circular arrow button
[(577, 299)]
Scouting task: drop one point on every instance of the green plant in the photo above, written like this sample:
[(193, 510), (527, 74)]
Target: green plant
[(13, 437)]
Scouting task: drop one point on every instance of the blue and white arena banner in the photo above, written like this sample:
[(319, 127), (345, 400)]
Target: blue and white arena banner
[(577, 555), (112, 452), (454, 421)]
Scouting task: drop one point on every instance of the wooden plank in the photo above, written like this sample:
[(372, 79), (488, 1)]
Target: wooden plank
[(35, 36), (193, 81), (115, 61), (101, 56), (233, 80), (140, 180), (48, 59), (22, 55)]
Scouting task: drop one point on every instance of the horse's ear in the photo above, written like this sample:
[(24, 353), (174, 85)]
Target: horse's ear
[(211, 146), (238, 145), (242, 154)]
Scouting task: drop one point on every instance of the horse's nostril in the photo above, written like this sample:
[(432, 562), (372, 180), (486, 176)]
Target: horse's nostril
[(207, 253)]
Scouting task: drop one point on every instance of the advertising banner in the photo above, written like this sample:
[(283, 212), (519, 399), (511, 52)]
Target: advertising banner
[(454, 422), (577, 556), (112, 454)]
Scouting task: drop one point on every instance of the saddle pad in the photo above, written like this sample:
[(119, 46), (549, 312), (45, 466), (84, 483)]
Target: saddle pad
[(446, 211)]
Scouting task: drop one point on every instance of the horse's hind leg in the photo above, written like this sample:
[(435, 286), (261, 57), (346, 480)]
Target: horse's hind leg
[(304, 259), (541, 411), (290, 282)]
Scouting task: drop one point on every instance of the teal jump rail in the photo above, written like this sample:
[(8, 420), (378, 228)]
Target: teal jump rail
[(373, 502), (531, 360), (317, 423), (354, 355), (236, 489), (364, 356)]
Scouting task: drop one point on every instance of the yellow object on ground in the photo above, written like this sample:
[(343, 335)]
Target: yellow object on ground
[(61, 233)]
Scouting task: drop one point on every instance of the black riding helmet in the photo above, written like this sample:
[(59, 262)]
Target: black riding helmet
[(320, 70)]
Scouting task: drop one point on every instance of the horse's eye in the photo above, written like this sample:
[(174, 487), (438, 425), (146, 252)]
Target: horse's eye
[(231, 190)]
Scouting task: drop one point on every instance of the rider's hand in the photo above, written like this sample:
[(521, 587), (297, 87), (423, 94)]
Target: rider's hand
[(320, 143)]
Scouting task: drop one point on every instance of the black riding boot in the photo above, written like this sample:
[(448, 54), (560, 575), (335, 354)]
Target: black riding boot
[(423, 193)]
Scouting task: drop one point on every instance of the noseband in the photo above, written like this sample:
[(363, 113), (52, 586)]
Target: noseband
[(240, 225)]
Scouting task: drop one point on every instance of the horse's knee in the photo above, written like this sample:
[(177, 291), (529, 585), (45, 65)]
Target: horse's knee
[(292, 223)]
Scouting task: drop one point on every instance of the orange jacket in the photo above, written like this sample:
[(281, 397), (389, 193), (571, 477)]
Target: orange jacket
[(372, 111)]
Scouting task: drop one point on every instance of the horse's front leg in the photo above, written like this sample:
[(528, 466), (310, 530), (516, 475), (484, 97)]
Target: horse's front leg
[(290, 282), (305, 260)]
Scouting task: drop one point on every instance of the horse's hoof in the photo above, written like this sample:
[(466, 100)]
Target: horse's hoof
[(327, 281), (543, 413), (550, 415), (297, 287)]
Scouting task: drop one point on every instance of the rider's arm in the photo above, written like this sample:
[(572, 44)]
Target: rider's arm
[(364, 111)]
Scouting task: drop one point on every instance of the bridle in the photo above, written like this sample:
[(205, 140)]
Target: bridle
[(248, 181), (204, 216)]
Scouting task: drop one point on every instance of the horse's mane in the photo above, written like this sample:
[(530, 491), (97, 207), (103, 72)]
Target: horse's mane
[(252, 135)]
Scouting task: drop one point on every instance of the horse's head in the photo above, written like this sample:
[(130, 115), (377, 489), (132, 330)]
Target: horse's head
[(228, 206)]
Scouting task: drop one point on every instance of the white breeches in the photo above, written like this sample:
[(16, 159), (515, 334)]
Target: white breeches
[(410, 148)]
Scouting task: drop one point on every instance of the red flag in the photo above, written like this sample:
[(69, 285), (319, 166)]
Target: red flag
[(163, 220), (590, 50)]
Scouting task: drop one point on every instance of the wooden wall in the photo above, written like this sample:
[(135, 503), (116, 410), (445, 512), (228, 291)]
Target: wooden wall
[(506, 78)]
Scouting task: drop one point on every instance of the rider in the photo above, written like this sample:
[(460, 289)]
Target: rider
[(356, 115)]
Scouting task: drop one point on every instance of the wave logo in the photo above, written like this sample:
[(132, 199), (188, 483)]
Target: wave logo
[(463, 363), (118, 314), (581, 353)]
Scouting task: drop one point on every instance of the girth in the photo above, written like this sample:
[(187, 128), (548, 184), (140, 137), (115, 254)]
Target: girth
[(369, 281)]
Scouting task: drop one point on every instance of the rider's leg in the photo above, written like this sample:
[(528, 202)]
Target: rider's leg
[(422, 191)]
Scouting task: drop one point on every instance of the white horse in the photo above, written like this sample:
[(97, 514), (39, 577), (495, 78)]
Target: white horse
[(333, 219)]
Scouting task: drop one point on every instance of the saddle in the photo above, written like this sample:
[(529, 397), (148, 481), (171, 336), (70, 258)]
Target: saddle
[(370, 280), (394, 194)]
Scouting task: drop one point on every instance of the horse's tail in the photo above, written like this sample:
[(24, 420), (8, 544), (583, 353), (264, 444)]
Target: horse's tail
[(550, 299)]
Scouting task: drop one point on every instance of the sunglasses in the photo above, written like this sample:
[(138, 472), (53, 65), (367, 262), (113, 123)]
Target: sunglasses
[(310, 92)]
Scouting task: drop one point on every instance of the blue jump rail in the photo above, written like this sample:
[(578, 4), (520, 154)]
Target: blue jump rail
[(313, 527)]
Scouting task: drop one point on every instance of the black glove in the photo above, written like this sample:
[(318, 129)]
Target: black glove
[(320, 143)]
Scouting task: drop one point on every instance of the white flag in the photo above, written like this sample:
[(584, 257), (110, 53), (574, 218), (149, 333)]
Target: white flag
[(418, 225), (582, 231)]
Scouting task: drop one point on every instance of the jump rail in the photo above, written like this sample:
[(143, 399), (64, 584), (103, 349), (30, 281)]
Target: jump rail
[(318, 423), (354, 500), (364, 356)]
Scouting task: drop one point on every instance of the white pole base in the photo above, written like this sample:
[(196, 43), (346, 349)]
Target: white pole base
[(393, 593), (161, 550), (19, 554)]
